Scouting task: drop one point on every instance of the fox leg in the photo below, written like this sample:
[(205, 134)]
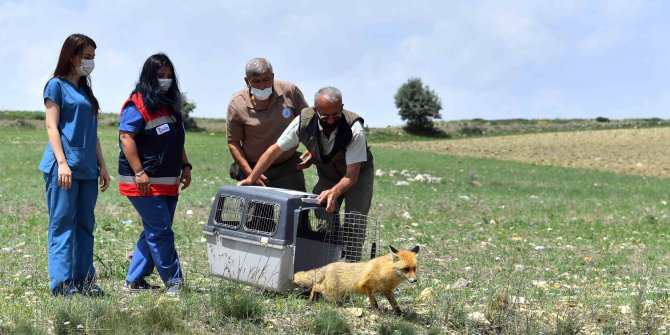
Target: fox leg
[(371, 297), (394, 304), (314, 293)]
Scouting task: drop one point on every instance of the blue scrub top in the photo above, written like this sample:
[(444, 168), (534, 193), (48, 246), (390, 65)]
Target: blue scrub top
[(78, 126), (131, 120)]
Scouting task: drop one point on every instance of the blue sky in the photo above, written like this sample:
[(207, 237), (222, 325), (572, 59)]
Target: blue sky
[(484, 59)]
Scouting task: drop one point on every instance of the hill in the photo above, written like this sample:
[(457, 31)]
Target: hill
[(447, 129)]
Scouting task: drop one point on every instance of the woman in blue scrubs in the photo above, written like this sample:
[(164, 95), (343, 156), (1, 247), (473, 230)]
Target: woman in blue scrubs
[(152, 165), (72, 164)]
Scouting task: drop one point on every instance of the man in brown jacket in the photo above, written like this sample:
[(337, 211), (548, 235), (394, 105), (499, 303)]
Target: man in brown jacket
[(257, 116)]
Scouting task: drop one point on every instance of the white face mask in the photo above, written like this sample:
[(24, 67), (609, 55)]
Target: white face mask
[(262, 94), (86, 67), (164, 84)]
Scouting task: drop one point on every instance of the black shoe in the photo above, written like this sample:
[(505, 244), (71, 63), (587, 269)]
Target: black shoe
[(92, 290), (138, 286), (65, 289)]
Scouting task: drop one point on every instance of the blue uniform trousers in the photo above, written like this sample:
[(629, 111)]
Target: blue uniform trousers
[(155, 247), (71, 223)]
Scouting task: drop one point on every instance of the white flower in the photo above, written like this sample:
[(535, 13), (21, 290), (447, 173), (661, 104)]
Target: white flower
[(540, 283), (478, 317)]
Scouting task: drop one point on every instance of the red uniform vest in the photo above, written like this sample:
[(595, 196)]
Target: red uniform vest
[(160, 146)]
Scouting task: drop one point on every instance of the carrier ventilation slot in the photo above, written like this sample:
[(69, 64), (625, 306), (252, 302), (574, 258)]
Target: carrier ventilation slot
[(229, 212), (262, 218)]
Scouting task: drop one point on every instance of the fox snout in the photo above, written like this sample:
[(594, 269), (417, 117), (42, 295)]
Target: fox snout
[(411, 277)]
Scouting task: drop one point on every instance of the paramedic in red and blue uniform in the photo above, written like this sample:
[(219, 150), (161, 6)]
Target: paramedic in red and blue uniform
[(72, 164), (152, 164)]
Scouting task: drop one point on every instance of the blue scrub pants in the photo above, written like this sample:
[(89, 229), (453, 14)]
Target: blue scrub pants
[(155, 247), (71, 222)]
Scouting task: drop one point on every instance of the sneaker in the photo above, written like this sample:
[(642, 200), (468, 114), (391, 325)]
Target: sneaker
[(92, 290), (138, 286), (173, 290)]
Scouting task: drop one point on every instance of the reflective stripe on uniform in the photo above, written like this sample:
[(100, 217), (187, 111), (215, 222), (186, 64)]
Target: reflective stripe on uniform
[(131, 190), (159, 121), (152, 180)]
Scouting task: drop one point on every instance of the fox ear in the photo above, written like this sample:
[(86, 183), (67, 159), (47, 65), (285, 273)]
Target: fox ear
[(394, 253), (415, 249)]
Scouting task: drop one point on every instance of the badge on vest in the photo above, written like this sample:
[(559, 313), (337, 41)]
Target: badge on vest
[(162, 129), (286, 112)]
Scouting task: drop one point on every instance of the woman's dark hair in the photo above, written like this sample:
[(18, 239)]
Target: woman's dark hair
[(148, 86), (74, 47)]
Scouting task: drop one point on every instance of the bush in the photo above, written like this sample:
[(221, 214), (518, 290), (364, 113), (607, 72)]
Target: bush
[(330, 323), (602, 119), (21, 327), (471, 131), (418, 105), (237, 303), (187, 107), (397, 328)]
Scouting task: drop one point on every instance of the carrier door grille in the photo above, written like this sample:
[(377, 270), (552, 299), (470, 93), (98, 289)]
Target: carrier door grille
[(262, 218), (356, 235), (229, 212)]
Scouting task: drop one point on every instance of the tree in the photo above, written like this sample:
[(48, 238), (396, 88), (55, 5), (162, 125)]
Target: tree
[(187, 107), (419, 105)]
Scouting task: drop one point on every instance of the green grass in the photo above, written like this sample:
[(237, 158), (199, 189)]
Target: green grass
[(448, 129), (540, 250), (330, 323)]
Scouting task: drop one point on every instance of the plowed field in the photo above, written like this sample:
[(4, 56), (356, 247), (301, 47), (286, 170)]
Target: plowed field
[(644, 152)]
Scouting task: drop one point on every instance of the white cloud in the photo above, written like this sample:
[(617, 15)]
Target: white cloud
[(486, 59)]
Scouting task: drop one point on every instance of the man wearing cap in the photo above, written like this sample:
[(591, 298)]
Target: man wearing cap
[(257, 116)]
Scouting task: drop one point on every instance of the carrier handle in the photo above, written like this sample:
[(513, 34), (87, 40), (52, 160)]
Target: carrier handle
[(310, 200)]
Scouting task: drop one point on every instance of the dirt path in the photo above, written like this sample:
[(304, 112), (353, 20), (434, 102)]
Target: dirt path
[(644, 152)]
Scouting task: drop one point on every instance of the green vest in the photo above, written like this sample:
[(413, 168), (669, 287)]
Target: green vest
[(333, 165)]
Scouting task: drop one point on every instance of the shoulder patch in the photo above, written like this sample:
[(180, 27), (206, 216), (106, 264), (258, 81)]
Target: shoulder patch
[(286, 112)]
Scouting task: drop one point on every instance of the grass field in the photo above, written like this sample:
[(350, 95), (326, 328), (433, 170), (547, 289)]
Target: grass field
[(506, 248)]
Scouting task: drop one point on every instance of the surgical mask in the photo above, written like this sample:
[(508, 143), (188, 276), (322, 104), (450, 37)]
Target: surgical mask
[(329, 126), (86, 67), (261, 94), (164, 84)]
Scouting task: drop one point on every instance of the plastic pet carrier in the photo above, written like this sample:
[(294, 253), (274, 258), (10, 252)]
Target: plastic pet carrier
[(261, 235)]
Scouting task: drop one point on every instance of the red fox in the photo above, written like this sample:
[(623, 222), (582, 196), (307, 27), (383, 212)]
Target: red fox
[(381, 274)]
